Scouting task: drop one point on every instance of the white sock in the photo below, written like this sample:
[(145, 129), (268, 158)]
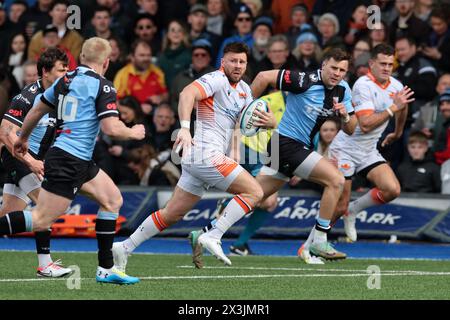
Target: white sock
[(310, 238), (319, 236), (371, 198), (44, 260), (151, 226), (233, 212)]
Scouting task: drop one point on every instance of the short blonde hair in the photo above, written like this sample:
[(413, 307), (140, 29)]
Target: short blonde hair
[(95, 50)]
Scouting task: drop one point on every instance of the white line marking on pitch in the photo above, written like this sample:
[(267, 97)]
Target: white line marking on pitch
[(304, 269), (218, 277)]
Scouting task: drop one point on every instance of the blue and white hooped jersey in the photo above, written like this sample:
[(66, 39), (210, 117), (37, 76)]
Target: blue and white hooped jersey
[(309, 104), (81, 99), (43, 134)]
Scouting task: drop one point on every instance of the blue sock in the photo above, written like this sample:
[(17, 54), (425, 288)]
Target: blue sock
[(255, 221)]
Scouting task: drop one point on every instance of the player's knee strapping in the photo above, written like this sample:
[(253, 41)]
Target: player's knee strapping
[(16, 222)]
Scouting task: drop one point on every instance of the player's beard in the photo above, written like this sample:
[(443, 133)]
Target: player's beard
[(231, 77)]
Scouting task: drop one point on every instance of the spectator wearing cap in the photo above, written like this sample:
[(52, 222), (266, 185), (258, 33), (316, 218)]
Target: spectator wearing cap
[(307, 51), (262, 31), (442, 147), (282, 13), (197, 19), (200, 65), (299, 23), (243, 23), (69, 39), (51, 39), (218, 18), (329, 38)]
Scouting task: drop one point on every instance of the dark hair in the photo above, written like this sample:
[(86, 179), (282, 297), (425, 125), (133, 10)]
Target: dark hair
[(132, 103), (144, 16), (101, 9), (337, 54), (20, 2), (417, 137), (237, 47), (56, 2), (10, 50), (48, 59), (441, 12), (136, 43), (410, 40), (382, 48)]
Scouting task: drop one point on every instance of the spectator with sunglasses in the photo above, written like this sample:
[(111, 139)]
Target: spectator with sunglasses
[(145, 28), (243, 23)]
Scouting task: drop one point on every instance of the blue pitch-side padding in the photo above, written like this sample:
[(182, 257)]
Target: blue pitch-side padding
[(372, 250)]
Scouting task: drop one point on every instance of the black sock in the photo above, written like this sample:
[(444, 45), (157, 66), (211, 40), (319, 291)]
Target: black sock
[(42, 242), (322, 228), (105, 230), (208, 227), (12, 223)]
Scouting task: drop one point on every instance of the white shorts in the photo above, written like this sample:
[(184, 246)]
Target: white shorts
[(217, 171), (355, 161)]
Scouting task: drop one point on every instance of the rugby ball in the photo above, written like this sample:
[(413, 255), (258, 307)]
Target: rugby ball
[(248, 117)]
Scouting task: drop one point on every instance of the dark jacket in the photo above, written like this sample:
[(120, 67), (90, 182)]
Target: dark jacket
[(419, 176), (416, 29), (420, 75)]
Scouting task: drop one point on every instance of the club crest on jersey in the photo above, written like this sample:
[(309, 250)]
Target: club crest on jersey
[(313, 77), (33, 88)]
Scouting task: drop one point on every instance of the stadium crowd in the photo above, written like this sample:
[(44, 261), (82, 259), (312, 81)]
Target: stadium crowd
[(161, 46)]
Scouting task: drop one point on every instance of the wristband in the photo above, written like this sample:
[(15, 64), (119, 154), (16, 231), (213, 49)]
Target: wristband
[(185, 124), (391, 114), (346, 119)]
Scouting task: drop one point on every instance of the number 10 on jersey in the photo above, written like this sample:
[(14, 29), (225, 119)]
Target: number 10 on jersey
[(67, 107)]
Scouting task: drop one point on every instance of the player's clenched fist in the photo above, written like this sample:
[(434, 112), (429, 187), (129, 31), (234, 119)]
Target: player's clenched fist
[(138, 131), (20, 148)]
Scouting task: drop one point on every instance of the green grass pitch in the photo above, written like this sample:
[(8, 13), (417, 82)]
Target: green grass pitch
[(250, 278)]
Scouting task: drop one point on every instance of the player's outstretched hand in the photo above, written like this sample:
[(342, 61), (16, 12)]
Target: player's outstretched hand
[(183, 141), (20, 148), (265, 119), (138, 131), (402, 98)]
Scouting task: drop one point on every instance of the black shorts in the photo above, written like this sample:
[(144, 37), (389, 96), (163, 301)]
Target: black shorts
[(65, 174), (15, 169), (290, 156)]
